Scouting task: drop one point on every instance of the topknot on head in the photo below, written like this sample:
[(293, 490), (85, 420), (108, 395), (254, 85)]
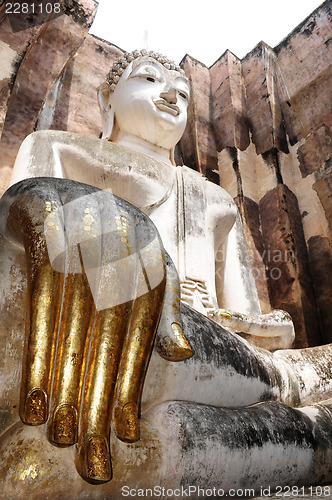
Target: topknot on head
[(120, 64)]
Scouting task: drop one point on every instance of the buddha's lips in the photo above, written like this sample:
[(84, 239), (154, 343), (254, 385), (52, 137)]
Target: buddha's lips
[(167, 107)]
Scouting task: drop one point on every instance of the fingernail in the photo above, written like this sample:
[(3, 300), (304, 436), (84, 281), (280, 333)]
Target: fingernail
[(126, 423), (174, 346), (224, 314), (98, 463), (183, 350), (64, 426), (35, 408)]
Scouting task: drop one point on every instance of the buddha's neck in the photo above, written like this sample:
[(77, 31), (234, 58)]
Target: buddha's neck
[(143, 146)]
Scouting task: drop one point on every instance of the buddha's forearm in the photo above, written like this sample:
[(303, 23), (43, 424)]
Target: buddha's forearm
[(271, 331)]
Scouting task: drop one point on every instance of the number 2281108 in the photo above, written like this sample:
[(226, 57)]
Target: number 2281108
[(33, 8)]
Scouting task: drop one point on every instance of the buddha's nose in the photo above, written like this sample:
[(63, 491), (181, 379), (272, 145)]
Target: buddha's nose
[(169, 96)]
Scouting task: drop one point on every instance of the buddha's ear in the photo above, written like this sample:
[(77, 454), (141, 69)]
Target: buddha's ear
[(107, 113)]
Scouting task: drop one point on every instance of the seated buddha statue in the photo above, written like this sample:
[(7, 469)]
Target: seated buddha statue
[(123, 254)]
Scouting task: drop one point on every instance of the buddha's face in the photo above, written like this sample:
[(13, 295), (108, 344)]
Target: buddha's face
[(150, 102)]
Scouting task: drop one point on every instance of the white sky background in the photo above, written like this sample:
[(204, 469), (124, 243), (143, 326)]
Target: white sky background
[(204, 29)]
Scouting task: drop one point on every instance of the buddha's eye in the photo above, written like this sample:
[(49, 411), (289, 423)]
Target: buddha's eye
[(183, 95), (150, 79)]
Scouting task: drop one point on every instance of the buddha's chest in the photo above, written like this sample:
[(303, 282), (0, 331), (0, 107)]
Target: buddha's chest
[(192, 224)]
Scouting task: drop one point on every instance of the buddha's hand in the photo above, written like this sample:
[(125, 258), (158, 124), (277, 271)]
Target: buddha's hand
[(96, 272), (274, 330)]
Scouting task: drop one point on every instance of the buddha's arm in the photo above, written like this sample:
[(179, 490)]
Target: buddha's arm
[(236, 287), (132, 176), (238, 299), (53, 153)]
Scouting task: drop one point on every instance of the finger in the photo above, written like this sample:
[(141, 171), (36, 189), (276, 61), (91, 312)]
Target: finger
[(34, 217), (113, 309), (93, 454), (274, 324), (83, 232), (141, 333), (171, 344)]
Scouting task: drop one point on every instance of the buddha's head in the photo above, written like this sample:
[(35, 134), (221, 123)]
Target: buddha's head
[(144, 102)]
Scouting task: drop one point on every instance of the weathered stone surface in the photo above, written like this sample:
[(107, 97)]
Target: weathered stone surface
[(12, 49), (323, 187), (320, 254), (49, 52), (249, 211), (229, 103), (197, 146), (304, 60), (9, 58), (289, 274), (316, 150), (80, 79), (264, 113), (253, 175), (313, 193)]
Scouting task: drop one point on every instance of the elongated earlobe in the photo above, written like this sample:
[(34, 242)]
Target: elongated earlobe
[(171, 155), (107, 113)]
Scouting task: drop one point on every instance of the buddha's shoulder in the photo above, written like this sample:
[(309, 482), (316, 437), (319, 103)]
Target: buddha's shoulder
[(213, 192), (104, 151), (61, 137)]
